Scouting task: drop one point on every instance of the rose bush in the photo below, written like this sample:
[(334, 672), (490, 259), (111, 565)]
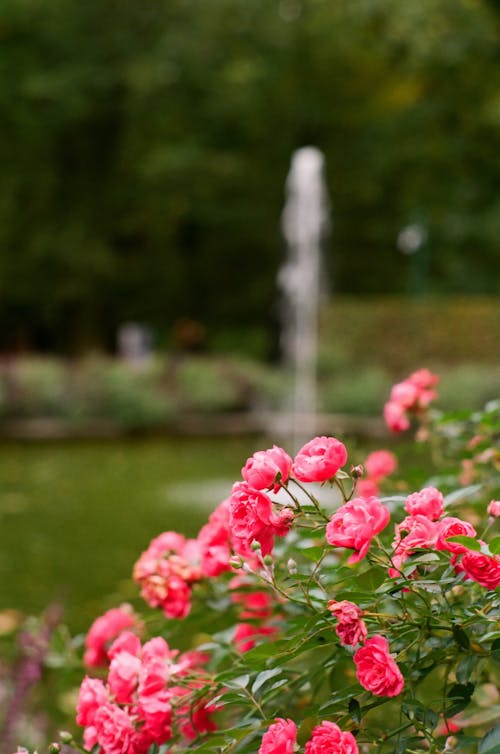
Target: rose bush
[(313, 613)]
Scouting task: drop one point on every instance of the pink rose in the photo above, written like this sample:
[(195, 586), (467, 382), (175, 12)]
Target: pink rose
[(91, 696), (89, 737), (484, 569), (327, 738), (166, 572), (188, 661), (246, 635), (376, 670), (114, 729), (252, 517), (157, 649), (494, 508), (355, 524), (367, 488), (319, 459), (423, 379), (280, 738), (453, 527), (421, 533), (123, 676), (214, 541), (405, 394), (380, 464), (350, 629), (395, 417), (153, 693), (103, 631), (413, 394), (446, 726), (126, 642), (196, 719), (267, 468), (428, 502)]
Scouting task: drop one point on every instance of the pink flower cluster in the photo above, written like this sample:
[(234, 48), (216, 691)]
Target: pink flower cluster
[(426, 528), (355, 524), (350, 629), (376, 670), (166, 572), (378, 465), (413, 395), (327, 738), (252, 517), (144, 698), (104, 630), (252, 514), (257, 609)]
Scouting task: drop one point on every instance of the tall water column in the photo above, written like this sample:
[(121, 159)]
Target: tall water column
[(305, 222)]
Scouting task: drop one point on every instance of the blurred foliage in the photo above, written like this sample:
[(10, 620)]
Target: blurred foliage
[(145, 143)]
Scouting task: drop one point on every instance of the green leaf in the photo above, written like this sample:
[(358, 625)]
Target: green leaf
[(459, 695), (465, 668), (469, 542), (306, 728), (240, 682), (263, 677), (490, 744), (495, 650), (494, 546), (353, 596), (427, 557), (461, 637), (426, 716), (312, 553), (480, 717), (354, 710)]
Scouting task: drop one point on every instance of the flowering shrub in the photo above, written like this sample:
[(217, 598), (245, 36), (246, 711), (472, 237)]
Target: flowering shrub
[(326, 618)]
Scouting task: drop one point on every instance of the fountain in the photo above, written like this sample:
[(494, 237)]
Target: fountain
[(305, 222)]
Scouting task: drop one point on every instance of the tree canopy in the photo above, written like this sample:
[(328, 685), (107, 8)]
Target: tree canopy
[(145, 145)]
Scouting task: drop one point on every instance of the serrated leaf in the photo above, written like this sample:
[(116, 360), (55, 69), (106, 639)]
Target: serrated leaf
[(495, 650), (465, 668), (459, 695), (312, 553), (428, 557), (354, 710), (494, 546), (460, 637), (481, 717), (263, 677), (490, 744), (306, 728), (469, 542), (240, 682)]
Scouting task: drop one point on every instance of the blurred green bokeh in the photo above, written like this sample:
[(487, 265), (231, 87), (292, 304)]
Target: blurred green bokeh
[(145, 143)]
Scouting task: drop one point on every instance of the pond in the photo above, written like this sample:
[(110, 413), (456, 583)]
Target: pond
[(74, 517)]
